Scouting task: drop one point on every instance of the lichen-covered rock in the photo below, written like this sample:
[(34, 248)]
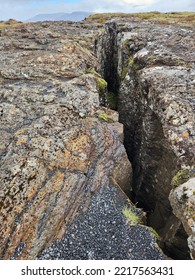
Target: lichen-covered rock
[(56, 152), (182, 201), (153, 66)]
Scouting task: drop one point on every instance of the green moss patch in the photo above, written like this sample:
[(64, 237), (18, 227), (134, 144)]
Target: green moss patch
[(92, 71), (104, 117), (181, 177), (155, 233), (102, 85), (124, 73)]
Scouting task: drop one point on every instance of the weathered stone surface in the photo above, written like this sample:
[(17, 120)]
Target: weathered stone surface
[(183, 203), (153, 66), (57, 153)]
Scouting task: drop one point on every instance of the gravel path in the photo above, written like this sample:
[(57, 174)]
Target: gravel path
[(102, 233)]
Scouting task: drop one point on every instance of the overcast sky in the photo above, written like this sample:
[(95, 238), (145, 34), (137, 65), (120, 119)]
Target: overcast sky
[(24, 9)]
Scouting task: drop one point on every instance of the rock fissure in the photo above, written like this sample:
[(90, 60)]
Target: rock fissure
[(139, 86)]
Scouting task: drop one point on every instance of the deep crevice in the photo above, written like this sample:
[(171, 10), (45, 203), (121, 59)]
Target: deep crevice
[(153, 161)]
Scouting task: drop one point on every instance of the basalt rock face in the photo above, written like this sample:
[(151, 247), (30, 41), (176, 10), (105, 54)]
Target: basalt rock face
[(155, 71), (183, 203), (63, 165)]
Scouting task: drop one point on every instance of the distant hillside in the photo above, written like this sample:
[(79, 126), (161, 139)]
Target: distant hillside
[(74, 16)]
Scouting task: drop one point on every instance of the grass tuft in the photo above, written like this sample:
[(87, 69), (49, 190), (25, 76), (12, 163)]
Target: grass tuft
[(131, 216)]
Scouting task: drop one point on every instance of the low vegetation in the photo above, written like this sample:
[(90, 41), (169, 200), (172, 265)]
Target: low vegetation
[(124, 73), (131, 216), (11, 23), (181, 177), (155, 233), (102, 85), (102, 88), (162, 18), (104, 117), (92, 71)]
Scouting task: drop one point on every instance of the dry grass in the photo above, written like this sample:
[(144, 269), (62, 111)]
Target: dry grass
[(169, 17), (178, 17), (11, 23)]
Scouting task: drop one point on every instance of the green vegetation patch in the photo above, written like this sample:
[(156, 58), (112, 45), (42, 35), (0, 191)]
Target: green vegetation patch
[(126, 42), (181, 177), (102, 85), (134, 65), (124, 73), (131, 216), (153, 231), (151, 57), (92, 71), (104, 117), (100, 82), (131, 60)]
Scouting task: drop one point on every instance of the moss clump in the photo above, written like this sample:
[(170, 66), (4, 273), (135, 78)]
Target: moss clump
[(153, 231), (181, 177), (131, 60), (124, 73), (151, 57), (132, 217), (104, 117), (102, 85), (112, 100), (126, 42), (133, 64), (92, 71)]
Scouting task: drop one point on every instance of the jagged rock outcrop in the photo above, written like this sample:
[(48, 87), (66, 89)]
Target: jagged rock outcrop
[(154, 66), (63, 166)]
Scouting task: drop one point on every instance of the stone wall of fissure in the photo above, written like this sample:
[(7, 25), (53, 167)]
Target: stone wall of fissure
[(155, 103)]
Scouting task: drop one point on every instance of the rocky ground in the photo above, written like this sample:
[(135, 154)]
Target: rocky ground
[(64, 169), (59, 147)]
